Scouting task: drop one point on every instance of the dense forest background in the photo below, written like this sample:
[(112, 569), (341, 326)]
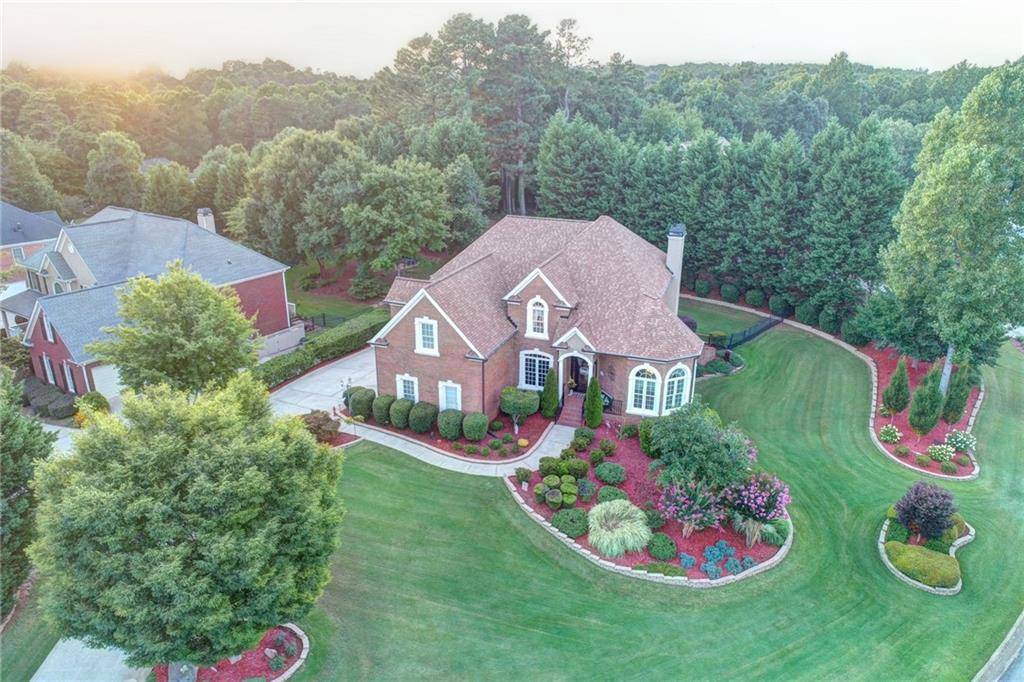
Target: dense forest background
[(786, 175)]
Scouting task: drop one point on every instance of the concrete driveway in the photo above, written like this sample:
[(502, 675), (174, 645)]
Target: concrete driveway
[(72, 661), (321, 389)]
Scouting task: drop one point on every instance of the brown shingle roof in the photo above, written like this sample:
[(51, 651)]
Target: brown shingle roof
[(614, 280)]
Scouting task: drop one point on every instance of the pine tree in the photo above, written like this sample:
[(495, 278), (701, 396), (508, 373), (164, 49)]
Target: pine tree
[(956, 399), (897, 393), (926, 405), (549, 396), (703, 194), (575, 167), (649, 178), (593, 405)]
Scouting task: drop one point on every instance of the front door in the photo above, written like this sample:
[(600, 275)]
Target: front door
[(579, 371)]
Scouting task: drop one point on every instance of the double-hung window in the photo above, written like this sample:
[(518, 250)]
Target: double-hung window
[(69, 378), (407, 387), (47, 330), (449, 395), (426, 336)]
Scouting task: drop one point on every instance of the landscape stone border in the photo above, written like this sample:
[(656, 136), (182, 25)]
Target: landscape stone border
[(675, 580), (302, 656), (941, 591), (874, 390), (479, 460), (1004, 655)]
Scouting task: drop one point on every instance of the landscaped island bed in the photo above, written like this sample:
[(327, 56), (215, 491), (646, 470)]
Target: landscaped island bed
[(285, 645)]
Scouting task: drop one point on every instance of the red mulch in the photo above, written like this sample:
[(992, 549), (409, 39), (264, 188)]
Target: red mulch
[(531, 430), (886, 361), (252, 664), (640, 487), (338, 288), (342, 438)]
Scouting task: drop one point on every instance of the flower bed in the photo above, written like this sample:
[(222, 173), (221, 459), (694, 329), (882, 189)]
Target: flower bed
[(254, 663), (885, 361), (641, 490)]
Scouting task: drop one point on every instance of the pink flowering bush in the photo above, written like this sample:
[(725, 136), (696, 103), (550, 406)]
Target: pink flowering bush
[(694, 505), (760, 499)]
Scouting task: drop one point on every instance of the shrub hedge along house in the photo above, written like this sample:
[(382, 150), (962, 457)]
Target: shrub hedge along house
[(587, 298)]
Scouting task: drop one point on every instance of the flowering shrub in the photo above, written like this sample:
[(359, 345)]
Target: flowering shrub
[(961, 441), (941, 453), (694, 505), (762, 498), (890, 434), (926, 509)]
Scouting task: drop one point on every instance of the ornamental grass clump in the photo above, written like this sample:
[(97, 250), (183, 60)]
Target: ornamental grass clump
[(762, 498), (694, 505), (618, 527), (926, 510)]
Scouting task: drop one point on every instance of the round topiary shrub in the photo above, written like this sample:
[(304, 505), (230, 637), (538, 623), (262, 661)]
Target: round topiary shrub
[(607, 493), (422, 416), (779, 305), (654, 519), (754, 298), (572, 522), (553, 498), (828, 321), (577, 467), (610, 472), (93, 400), (552, 480), (806, 312), (618, 527), (381, 408), (730, 293), (689, 322), (702, 287), (661, 547), (449, 424), (474, 426), (360, 402), (399, 413), (497, 425)]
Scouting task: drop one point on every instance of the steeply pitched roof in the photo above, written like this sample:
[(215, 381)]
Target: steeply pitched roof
[(80, 316), (613, 280), (21, 227), (64, 270), (20, 303), (118, 243)]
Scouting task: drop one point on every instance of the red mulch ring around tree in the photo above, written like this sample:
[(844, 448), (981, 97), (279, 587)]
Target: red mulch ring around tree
[(640, 487), (253, 664), (531, 429), (339, 282), (886, 361)]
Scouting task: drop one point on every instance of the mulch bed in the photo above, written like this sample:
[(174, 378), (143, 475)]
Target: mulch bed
[(338, 284), (253, 664), (531, 430), (885, 361), (342, 438), (640, 487)]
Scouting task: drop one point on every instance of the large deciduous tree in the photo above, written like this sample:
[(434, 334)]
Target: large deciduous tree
[(23, 184), (182, 531), (169, 191), (114, 177), (178, 330)]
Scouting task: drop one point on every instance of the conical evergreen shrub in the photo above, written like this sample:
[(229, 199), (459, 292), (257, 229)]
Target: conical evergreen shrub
[(593, 405), (956, 397), (549, 396), (897, 394), (926, 406)]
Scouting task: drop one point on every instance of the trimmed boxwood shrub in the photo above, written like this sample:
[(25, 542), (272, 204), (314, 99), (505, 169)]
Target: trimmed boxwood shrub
[(924, 565), (654, 519), (94, 400), (553, 498), (754, 298), (422, 416), (610, 472), (552, 480), (474, 426), (610, 492), (497, 425), (577, 467), (449, 424), (360, 402), (661, 547), (399, 413), (585, 435), (779, 305), (382, 408), (703, 287), (730, 293), (828, 320), (806, 312), (549, 466), (572, 522)]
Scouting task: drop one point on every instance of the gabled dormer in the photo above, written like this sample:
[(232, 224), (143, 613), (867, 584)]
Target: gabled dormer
[(535, 304)]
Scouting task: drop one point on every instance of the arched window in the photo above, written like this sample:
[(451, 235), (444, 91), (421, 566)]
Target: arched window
[(537, 323), (643, 390), (533, 368), (677, 387), (57, 288)]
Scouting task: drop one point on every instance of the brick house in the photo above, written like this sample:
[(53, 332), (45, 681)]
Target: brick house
[(73, 288), (587, 298)]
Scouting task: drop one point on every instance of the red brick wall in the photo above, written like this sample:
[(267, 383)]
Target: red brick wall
[(613, 375), (7, 260), (266, 298), (500, 370), (58, 355), (451, 364)]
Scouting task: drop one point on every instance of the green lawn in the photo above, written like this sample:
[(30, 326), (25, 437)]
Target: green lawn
[(308, 304), (25, 642), (716, 318)]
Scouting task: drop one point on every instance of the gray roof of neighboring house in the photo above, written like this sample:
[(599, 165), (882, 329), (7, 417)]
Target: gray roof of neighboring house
[(118, 243), (80, 316), (22, 227), (21, 303), (35, 261), (64, 270)]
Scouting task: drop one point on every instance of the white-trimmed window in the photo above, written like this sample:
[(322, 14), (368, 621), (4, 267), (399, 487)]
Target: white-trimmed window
[(18, 253), (408, 387), (48, 368), (69, 377), (47, 331), (643, 390), (58, 288), (449, 395), (677, 387), (537, 324), (426, 336), (533, 368)]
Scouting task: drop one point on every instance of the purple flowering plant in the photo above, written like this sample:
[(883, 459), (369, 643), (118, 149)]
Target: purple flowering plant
[(762, 497), (693, 504)]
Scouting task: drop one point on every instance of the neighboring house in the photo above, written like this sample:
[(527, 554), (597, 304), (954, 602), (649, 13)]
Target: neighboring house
[(23, 234), (73, 288), (588, 298)]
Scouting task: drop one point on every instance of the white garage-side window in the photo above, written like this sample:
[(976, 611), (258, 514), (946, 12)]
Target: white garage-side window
[(677, 387), (533, 368), (426, 336), (408, 387), (643, 390), (449, 395)]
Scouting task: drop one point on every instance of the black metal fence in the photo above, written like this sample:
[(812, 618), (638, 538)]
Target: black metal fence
[(760, 327), (321, 321)]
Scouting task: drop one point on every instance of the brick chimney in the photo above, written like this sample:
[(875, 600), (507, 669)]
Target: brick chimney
[(674, 261), (204, 218)]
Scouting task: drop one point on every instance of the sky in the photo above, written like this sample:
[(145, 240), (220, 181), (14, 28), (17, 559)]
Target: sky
[(360, 38)]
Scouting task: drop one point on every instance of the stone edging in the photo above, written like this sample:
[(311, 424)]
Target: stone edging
[(678, 581), (1004, 656), (941, 591), (293, 668), (525, 455), (874, 390)]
